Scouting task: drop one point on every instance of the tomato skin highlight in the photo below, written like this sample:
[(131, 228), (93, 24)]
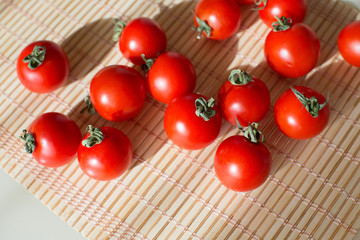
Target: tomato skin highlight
[(294, 52), (223, 16), (349, 43), (294, 9), (172, 75), (109, 159), (248, 103), (118, 92), (57, 138), (142, 36), (185, 129), (294, 120), (242, 165), (51, 74)]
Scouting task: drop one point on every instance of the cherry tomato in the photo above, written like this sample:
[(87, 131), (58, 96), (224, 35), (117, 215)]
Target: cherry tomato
[(105, 153), (294, 9), (170, 76), (42, 66), (301, 119), (242, 165), (349, 43), (292, 52), (118, 92), (191, 122), (217, 19), (52, 139), (245, 2), (243, 97), (140, 36)]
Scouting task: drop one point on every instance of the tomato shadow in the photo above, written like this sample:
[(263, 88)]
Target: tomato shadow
[(88, 46), (327, 20)]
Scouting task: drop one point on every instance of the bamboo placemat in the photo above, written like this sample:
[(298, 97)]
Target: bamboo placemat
[(170, 193)]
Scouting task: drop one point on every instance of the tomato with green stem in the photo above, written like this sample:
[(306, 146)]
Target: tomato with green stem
[(349, 43), (42, 66), (52, 139), (243, 97), (243, 163), (301, 113), (168, 76), (217, 19), (105, 153), (291, 50), (139, 36), (192, 122)]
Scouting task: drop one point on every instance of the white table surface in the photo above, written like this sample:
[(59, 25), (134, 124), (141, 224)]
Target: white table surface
[(23, 217)]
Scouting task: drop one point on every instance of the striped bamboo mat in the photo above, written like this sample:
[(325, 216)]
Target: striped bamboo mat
[(170, 193)]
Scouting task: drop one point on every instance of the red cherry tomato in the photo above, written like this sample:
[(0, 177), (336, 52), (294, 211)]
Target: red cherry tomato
[(217, 19), (140, 36), (242, 165), (171, 76), (118, 92), (245, 2), (243, 97), (293, 52), (293, 118), (294, 9), (53, 139), (104, 153), (349, 43), (185, 128), (46, 66)]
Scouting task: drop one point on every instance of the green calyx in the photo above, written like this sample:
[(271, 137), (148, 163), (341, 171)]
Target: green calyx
[(148, 63), (96, 137), (239, 77), (36, 57), (251, 132), (258, 3), (203, 27), (312, 104), (89, 106), (204, 108), (29, 140), (282, 24), (118, 28)]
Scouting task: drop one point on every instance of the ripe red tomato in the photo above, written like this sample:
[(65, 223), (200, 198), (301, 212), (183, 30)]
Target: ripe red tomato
[(118, 92), (217, 19), (42, 66), (293, 118), (170, 76), (140, 36), (242, 165), (245, 2), (53, 139), (349, 43), (293, 52), (294, 9), (243, 97), (184, 125), (105, 153)]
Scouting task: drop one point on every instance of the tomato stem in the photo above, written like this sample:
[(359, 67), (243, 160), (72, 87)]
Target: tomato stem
[(96, 137), (312, 104), (282, 24), (36, 57), (118, 28), (148, 63), (251, 132), (89, 106), (239, 77), (258, 3), (29, 140), (203, 27), (204, 108)]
